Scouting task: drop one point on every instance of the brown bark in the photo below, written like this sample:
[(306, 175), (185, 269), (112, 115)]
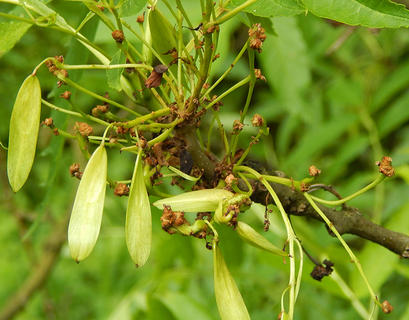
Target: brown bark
[(345, 220)]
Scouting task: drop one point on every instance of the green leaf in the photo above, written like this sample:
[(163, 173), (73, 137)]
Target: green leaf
[(367, 13), (285, 65), (10, 33), (24, 126), (50, 16), (394, 116), (86, 215), (114, 75), (138, 227), (314, 142), (131, 7), (272, 8)]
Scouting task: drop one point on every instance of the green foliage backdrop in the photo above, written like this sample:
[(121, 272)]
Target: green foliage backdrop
[(336, 96)]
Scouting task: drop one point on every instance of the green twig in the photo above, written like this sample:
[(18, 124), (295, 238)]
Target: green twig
[(378, 180), (354, 259)]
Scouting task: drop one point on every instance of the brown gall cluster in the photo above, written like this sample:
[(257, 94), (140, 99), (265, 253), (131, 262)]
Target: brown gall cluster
[(314, 171), (230, 180), (320, 271), (257, 120), (52, 68), (385, 166), (66, 95), (121, 189), (99, 109), (155, 78), (171, 219), (237, 126), (118, 36), (83, 128), (257, 36), (48, 122), (75, 171), (257, 73), (387, 307)]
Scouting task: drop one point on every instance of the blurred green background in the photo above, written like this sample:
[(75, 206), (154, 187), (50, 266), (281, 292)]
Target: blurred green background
[(336, 97)]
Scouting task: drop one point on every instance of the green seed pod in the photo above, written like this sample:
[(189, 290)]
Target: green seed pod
[(195, 201), (254, 238), (86, 214), (162, 34), (138, 228), (24, 126), (228, 298)]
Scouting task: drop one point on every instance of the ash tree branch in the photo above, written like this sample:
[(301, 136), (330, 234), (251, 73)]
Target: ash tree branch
[(346, 220)]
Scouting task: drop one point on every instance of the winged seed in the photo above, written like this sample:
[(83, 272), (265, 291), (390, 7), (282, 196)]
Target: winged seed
[(86, 214)]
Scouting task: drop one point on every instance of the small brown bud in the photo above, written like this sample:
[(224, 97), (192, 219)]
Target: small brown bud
[(75, 170), (60, 59), (141, 18), (386, 307), (385, 166), (206, 86), (237, 126), (118, 36), (257, 120), (56, 132), (121, 189), (48, 122), (258, 75), (83, 128), (230, 179), (314, 171), (66, 95), (216, 57), (304, 187)]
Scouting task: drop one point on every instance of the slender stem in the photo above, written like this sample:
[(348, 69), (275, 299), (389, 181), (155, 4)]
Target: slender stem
[(234, 11), (73, 113), (378, 180), (97, 96), (291, 237), (222, 133), (104, 67), (160, 137), (350, 295), (246, 152), (180, 44), (345, 245), (146, 117), (243, 49), (230, 90)]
